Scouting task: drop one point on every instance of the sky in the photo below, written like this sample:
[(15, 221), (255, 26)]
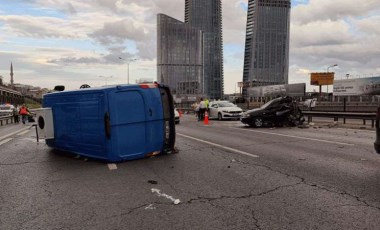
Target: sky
[(62, 42)]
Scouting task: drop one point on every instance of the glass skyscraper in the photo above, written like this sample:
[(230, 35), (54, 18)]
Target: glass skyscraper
[(180, 57), (206, 15), (266, 58), (190, 53)]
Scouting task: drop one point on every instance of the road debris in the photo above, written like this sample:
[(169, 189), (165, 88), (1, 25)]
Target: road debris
[(112, 166), (150, 207), (175, 201), (152, 182)]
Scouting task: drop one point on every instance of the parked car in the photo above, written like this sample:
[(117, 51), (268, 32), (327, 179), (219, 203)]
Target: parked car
[(176, 116), (224, 110), (277, 112), (6, 109)]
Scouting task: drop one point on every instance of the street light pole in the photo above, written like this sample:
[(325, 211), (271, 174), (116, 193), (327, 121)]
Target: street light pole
[(128, 62), (328, 72), (331, 67)]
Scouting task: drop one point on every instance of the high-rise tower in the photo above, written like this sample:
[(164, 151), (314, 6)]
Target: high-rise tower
[(266, 58), (206, 15), (180, 57), (12, 76)]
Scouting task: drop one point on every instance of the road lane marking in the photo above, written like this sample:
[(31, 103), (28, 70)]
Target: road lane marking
[(298, 137), (220, 146), (5, 141), (14, 133), (358, 130), (22, 133)]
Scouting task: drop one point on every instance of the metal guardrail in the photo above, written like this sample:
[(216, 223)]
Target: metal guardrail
[(344, 115), (4, 120)]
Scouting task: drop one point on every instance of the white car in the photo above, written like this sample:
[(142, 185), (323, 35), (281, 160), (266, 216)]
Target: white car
[(224, 110), (6, 110), (176, 116)]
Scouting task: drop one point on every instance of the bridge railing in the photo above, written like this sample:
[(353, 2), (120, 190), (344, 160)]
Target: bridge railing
[(5, 120), (344, 115)]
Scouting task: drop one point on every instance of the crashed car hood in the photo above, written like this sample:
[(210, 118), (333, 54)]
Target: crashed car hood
[(257, 110)]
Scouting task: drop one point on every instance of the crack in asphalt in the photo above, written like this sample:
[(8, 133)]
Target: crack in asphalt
[(255, 220), (210, 199), (303, 181), (19, 163)]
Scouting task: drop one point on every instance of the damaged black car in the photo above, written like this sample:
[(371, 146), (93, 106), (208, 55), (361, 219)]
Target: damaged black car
[(281, 111)]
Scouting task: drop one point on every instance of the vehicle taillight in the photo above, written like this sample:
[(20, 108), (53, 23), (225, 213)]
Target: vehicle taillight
[(149, 86)]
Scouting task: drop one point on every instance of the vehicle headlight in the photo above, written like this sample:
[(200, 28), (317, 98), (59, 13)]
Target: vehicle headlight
[(225, 111), (246, 115)]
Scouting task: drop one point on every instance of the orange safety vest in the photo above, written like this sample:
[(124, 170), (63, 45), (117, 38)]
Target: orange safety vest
[(23, 111)]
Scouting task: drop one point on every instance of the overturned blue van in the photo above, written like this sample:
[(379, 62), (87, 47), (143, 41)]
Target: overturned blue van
[(112, 123)]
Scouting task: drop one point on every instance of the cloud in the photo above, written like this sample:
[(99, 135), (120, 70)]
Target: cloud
[(322, 10), (38, 27), (119, 31), (234, 21)]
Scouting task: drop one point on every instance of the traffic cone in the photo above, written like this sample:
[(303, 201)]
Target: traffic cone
[(206, 118), (180, 113)]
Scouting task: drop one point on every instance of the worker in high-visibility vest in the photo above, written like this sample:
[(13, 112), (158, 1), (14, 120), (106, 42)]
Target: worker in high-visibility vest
[(207, 103), (24, 112)]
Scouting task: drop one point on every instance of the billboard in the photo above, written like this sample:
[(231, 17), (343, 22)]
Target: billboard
[(357, 87), (278, 90), (322, 78)]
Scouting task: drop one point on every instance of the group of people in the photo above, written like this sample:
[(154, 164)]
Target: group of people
[(22, 111), (200, 108)]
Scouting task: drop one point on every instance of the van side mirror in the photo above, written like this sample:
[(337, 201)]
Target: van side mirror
[(59, 88)]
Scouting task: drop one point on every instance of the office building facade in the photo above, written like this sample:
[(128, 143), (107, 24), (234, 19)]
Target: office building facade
[(207, 16), (180, 57), (266, 57)]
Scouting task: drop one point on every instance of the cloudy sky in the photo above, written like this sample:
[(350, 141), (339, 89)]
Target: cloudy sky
[(77, 42)]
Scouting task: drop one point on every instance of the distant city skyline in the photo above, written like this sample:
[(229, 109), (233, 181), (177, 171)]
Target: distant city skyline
[(74, 42)]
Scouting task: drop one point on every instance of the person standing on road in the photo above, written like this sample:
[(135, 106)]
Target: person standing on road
[(15, 115), (207, 103), (196, 109), (202, 109), (24, 111)]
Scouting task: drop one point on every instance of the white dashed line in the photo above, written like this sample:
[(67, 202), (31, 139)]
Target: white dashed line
[(220, 146), (22, 133), (5, 141), (303, 138), (14, 133)]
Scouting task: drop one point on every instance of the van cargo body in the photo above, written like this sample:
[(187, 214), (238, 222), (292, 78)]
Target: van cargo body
[(113, 123)]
